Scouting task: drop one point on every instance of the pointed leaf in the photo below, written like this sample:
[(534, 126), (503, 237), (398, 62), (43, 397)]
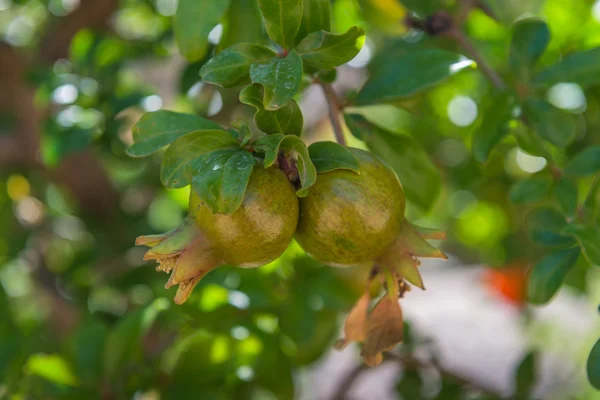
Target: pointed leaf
[(223, 178), (531, 189), (588, 238), (593, 366), (556, 126), (547, 275), (407, 75), (585, 163), (329, 156), (493, 128), (282, 20), (280, 77), (286, 120), (269, 145), (325, 50), (158, 129), (582, 68), (565, 192), (232, 66), (529, 41), (316, 16), (525, 375), (420, 178), (179, 164), (193, 22), (355, 327), (545, 225)]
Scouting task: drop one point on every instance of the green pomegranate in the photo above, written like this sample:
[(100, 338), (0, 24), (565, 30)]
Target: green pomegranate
[(349, 218), (255, 234)]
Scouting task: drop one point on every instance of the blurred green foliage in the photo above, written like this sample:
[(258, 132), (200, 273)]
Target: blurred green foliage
[(510, 171)]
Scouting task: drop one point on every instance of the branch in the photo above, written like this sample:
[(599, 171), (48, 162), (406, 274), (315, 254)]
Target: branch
[(407, 362), (334, 106)]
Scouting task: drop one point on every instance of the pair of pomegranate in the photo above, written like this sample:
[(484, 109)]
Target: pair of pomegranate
[(346, 219)]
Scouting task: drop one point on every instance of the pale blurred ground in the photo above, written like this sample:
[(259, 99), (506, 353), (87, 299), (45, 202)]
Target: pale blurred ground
[(479, 337)]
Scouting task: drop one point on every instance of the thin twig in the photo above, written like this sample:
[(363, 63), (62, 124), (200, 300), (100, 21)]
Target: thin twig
[(462, 39), (334, 107)]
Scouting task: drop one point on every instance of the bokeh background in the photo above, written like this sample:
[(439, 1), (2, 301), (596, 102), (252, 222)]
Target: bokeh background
[(82, 316)]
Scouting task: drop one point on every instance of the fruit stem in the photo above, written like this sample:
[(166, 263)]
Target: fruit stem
[(334, 106)]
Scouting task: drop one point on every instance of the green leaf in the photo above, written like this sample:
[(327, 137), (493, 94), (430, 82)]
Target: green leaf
[(329, 156), (420, 178), (282, 20), (525, 375), (545, 226), (316, 16), (582, 68), (242, 23), (123, 345), (530, 141), (407, 75), (556, 126), (180, 162), (593, 366), (531, 189), (547, 275), (325, 50), (290, 145), (232, 66), (565, 192), (86, 348), (222, 179), (51, 367), (585, 163), (280, 77), (493, 128), (286, 120), (529, 41), (158, 129), (588, 238), (193, 22)]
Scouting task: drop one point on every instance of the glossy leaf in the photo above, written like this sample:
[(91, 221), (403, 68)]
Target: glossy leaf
[(242, 23), (593, 366), (160, 128), (565, 192), (493, 128), (272, 145), (316, 16), (531, 189), (123, 344), (529, 41), (407, 75), (588, 238), (547, 275), (582, 68), (193, 22), (329, 156), (232, 66), (325, 50), (222, 179), (282, 20), (556, 126), (180, 162), (280, 77), (420, 178), (545, 226), (286, 120), (585, 163)]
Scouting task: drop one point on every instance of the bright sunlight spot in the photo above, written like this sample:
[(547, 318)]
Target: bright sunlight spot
[(215, 34), (462, 64), (567, 96), (65, 94), (529, 163), (166, 7), (462, 111), (363, 57), (152, 103), (215, 105), (596, 10)]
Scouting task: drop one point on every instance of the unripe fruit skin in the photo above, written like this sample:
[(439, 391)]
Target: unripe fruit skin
[(349, 219), (261, 229)]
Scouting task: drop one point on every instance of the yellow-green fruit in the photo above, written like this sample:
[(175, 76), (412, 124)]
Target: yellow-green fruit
[(261, 229), (350, 219)]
